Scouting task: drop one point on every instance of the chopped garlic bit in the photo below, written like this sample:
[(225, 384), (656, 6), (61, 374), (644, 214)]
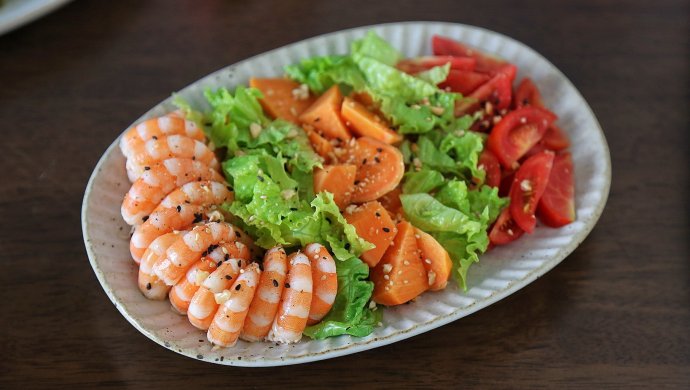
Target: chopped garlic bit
[(350, 209), (437, 110), (526, 185), (301, 92), (255, 129), (432, 277), (200, 277), (215, 216), (222, 297), (287, 194), (387, 268), (372, 304)]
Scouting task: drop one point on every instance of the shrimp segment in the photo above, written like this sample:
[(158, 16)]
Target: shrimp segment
[(265, 304), (144, 155), (198, 193), (188, 249), (294, 306), (156, 128), (181, 208), (161, 222), (149, 284), (182, 293), (228, 320), (163, 177), (203, 305), (325, 281)]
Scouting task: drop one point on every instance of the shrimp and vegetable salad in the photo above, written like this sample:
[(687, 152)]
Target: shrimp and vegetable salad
[(303, 205)]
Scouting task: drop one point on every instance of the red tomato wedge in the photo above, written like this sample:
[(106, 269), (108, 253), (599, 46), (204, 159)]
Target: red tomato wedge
[(486, 63), (517, 133), (555, 139), (557, 205), (528, 187), (506, 181), (489, 163), (419, 64), (498, 90), (464, 81), (505, 229), (527, 94)]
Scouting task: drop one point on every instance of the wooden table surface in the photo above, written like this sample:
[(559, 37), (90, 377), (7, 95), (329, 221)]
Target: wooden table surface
[(615, 313)]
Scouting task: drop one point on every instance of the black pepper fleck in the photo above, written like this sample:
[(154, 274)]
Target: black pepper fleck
[(228, 277), (148, 286), (238, 287), (261, 178), (275, 283), (145, 218), (198, 217), (386, 230), (147, 168), (287, 285), (179, 208)]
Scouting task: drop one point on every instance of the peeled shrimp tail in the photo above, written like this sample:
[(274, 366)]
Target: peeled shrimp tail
[(325, 281), (293, 311), (229, 319), (149, 284), (265, 304)]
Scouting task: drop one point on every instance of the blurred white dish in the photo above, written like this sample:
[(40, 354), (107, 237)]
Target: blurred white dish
[(16, 13)]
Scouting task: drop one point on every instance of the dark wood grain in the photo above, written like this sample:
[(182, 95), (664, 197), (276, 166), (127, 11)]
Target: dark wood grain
[(616, 313)]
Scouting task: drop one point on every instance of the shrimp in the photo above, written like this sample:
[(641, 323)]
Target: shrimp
[(199, 193), (181, 208), (183, 292), (325, 281), (149, 284), (161, 222), (234, 304), (163, 148), (157, 182), (170, 124), (294, 306), (203, 305), (263, 309), (188, 249)]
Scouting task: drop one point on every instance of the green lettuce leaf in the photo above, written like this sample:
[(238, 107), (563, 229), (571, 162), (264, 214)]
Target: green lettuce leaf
[(320, 73), (376, 48), (435, 75), (465, 147), (350, 313), (458, 218), (244, 109), (425, 180)]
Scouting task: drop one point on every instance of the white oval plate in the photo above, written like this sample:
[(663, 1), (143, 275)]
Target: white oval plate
[(500, 272)]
